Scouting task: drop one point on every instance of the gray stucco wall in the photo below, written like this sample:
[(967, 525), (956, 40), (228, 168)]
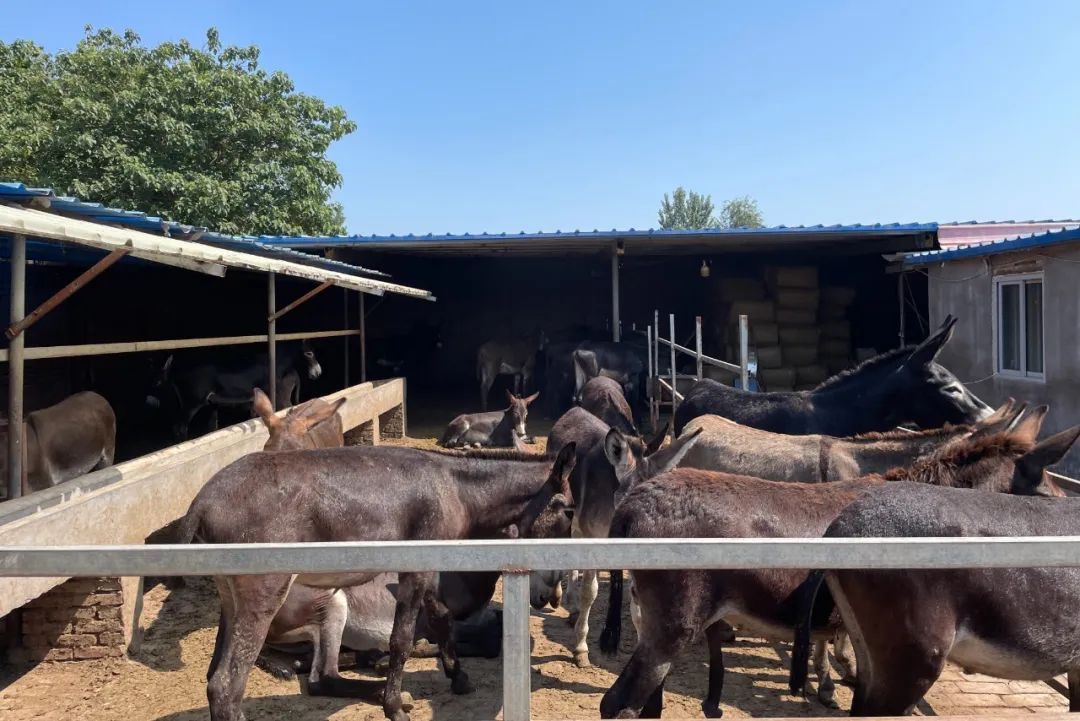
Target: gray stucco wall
[(965, 289)]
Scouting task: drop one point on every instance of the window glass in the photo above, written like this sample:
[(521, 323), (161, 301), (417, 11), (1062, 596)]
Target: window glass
[(1010, 326), (1033, 326)]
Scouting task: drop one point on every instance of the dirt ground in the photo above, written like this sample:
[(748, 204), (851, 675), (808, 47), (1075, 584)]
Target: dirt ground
[(165, 679)]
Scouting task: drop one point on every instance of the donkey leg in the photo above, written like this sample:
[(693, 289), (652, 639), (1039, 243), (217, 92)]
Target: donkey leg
[(256, 599), (845, 657), (410, 593), (324, 678), (441, 624), (715, 635), (654, 707), (638, 692), (1074, 690), (826, 689), (572, 602), (590, 587)]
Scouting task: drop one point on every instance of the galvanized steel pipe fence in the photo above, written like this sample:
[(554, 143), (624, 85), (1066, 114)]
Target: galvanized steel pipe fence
[(515, 559), (658, 383)]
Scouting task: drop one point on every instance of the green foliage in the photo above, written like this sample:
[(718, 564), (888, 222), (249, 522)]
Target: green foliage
[(202, 136), (741, 213), (687, 210)]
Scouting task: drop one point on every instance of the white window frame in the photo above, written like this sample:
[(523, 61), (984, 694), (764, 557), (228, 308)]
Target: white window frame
[(1018, 279)]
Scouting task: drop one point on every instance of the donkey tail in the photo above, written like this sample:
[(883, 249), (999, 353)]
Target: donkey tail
[(609, 637), (188, 527), (807, 594)]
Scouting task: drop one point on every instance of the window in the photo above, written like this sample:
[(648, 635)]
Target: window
[(1020, 325)]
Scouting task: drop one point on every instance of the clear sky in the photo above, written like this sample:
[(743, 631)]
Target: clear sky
[(505, 116)]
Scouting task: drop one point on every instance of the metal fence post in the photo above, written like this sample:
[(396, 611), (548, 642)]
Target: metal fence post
[(16, 350), (674, 379), (345, 324), (517, 672), (271, 334), (744, 352), (697, 341), (363, 341), (650, 389)]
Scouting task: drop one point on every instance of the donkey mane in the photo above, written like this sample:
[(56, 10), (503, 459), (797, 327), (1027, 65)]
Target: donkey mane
[(946, 468), (870, 364), (899, 435), (492, 454)]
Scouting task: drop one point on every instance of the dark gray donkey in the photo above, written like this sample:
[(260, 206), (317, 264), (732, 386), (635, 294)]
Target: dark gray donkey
[(356, 494), (516, 357), (905, 385), (603, 392), (608, 464), (1015, 623), (676, 607), (497, 429)]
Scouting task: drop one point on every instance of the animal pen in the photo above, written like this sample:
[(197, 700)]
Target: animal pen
[(141, 496)]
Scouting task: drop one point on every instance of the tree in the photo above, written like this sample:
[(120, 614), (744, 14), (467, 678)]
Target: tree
[(741, 213), (201, 136), (686, 210)]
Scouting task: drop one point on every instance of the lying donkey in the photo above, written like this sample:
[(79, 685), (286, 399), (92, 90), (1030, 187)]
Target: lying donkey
[(608, 463), (353, 494), (675, 607), (729, 447), (497, 429), (906, 624)]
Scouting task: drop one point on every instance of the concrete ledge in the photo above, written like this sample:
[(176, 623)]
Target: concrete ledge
[(127, 502)]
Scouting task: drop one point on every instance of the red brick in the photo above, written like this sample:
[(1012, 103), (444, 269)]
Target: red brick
[(54, 600), (37, 640), (107, 584), (76, 640), (79, 585), (44, 628), (33, 614), (97, 652), (105, 599), (108, 613), (95, 626), (49, 654)]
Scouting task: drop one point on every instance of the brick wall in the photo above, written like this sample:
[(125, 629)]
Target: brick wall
[(80, 619)]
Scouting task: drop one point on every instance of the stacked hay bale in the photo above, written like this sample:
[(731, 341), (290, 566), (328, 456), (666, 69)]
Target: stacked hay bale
[(745, 296), (795, 289), (836, 351)]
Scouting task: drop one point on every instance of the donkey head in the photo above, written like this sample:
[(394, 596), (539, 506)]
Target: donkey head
[(923, 391), (519, 411), (294, 431), (314, 370), (1030, 477), (635, 461), (160, 386)]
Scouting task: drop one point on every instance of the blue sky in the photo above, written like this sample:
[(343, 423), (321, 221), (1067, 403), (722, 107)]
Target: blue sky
[(558, 115)]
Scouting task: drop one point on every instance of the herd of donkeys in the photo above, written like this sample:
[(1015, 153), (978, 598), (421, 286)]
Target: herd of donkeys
[(827, 462)]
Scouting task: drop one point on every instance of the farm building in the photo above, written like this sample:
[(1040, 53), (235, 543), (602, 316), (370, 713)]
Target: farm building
[(1018, 301)]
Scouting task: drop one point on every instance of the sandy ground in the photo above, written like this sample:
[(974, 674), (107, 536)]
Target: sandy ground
[(165, 679)]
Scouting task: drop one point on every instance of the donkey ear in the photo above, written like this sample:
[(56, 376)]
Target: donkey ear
[(664, 460), (529, 399), (925, 353), (616, 448), (999, 422), (1028, 427), (1000, 414), (319, 415), (510, 397), (1045, 454), (657, 441), (563, 467), (265, 409)]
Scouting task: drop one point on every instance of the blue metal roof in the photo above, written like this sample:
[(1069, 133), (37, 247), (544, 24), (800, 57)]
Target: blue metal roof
[(1027, 242), (97, 212), (1009, 222), (586, 239)]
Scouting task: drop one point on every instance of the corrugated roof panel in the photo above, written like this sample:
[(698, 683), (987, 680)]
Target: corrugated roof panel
[(1038, 240)]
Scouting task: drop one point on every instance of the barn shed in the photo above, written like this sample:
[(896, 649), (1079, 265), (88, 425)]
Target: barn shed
[(816, 294)]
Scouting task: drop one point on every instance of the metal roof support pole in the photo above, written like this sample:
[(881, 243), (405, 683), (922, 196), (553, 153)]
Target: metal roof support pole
[(345, 324), (674, 375), (699, 370), (615, 323), (301, 300), (271, 334), (744, 352), (16, 349), (363, 341), (900, 297)]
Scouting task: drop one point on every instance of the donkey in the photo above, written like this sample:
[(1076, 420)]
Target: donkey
[(64, 441), (603, 392), (675, 607), (733, 448), (497, 429), (622, 361), (516, 357), (354, 494), (180, 395), (315, 424), (905, 624), (608, 464), (905, 385)]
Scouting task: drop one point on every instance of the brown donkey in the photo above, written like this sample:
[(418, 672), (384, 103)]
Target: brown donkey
[(676, 607), (1014, 623), (363, 493)]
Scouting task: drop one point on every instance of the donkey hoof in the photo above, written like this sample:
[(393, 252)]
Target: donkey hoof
[(828, 701), (461, 685), (581, 659), (712, 710)]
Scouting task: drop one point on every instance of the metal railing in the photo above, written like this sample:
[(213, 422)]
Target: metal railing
[(515, 559), (658, 383)]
